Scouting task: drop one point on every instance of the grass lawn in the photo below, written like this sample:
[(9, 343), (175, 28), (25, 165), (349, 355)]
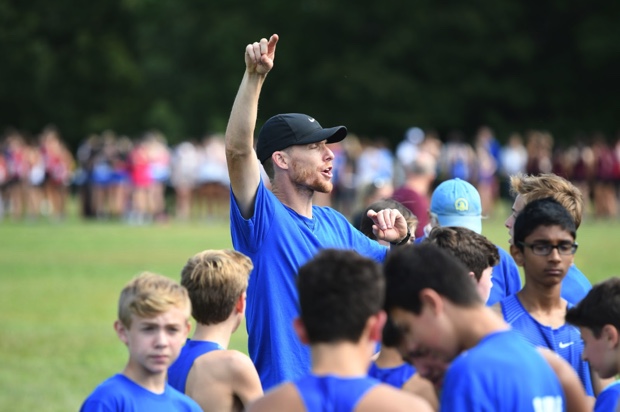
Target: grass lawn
[(60, 284)]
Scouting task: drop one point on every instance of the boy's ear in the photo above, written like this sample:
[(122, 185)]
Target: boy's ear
[(375, 325), (241, 303), (300, 329), (121, 331), (473, 277), (517, 254), (610, 334), (431, 300)]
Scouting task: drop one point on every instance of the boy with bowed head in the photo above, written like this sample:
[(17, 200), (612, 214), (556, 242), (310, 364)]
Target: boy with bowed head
[(598, 319), (440, 315), (340, 298), (153, 322), (281, 229), (217, 378)]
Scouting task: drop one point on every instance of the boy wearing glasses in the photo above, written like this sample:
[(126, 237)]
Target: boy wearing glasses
[(544, 245)]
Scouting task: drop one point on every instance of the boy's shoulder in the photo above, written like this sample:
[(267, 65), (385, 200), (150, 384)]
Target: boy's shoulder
[(224, 363)]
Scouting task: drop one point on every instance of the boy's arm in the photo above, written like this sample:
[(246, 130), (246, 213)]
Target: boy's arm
[(576, 398), (243, 166), (283, 397), (244, 379), (424, 389)]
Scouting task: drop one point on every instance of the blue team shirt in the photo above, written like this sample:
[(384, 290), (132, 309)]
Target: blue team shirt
[(332, 393), (565, 340), (503, 372), (121, 394), (607, 400), (396, 376), (506, 278), (575, 285), (178, 371), (279, 241)]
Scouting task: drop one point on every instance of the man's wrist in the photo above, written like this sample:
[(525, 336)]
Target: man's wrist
[(404, 240)]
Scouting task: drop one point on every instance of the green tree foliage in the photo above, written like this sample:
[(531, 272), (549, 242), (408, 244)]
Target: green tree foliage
[(377, 67)]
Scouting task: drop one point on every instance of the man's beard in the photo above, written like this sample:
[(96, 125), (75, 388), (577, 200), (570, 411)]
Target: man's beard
[(308, 180)]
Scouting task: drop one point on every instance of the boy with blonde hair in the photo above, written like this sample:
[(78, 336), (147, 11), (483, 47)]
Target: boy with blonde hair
[(153, 321), (217, 378)]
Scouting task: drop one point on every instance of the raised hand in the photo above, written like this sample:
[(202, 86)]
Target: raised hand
[(259, 56)]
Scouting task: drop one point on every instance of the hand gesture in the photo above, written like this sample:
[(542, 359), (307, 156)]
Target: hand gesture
[(259, 56), (389, 225)]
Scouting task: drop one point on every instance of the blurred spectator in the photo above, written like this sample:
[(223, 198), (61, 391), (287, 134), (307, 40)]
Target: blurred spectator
[(213, 181), (185, 165), (513, 159), (487, 155)]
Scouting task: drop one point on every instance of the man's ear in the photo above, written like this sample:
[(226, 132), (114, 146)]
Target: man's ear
[(300, 329), (517, 254), (610, 334), (375, 325), (431, 300), (121, 332), (280, 159)]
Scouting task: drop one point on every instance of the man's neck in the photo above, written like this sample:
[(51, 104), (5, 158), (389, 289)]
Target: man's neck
[(297, 199), (342, 358)]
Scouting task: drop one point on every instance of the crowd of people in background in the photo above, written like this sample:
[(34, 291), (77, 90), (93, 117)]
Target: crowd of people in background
[(146, 179)]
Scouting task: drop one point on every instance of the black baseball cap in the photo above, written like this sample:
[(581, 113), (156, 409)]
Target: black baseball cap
[(284, 130)]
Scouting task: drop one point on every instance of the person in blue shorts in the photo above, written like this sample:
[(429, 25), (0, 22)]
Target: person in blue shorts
[(544, 245), (279, 228), (341, 318), (456, 203), (526, 188), (217, 378), (598, 318), (153, 322), (439, 314)]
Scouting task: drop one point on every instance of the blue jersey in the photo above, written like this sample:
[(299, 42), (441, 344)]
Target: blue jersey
[(575, 285), (506, 278), (565, 340), (503, 372), (607, 401), (332, 393), (396, 376), (121, 394), (178, 371), (279, 241)]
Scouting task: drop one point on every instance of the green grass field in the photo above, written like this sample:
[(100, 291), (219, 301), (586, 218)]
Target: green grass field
[(60, 283)]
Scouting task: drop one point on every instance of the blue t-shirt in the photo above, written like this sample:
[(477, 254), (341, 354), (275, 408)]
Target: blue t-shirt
[(575, 286), (503, 372), (332, 393), (506, 278), (178, 371), (279, 241), (121, 394), (396, 376), (607, 400), (565, 340)]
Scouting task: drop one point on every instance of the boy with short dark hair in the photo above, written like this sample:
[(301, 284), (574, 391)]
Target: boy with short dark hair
[(340, 297), (153, 321), (440, 316), (544, 245), (217, 378), (476, 252), (598, 319)]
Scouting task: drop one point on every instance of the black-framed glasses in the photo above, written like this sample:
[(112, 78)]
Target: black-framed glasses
[(545, 249)]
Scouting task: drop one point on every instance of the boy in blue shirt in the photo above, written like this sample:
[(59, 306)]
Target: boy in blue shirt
[(153, 321), (217, 378), (439, 314), (598, 319), (340, 298)]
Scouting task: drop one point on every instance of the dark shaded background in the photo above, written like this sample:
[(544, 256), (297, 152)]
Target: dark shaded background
[(378, 67)]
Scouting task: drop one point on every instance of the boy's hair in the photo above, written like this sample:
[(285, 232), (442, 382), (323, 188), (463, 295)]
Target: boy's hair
[(600, 307), (215, 279), (473, 249), (549, 185), (366, 222), (148, 295), (339, 290), (542, 212), (411, 268)]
